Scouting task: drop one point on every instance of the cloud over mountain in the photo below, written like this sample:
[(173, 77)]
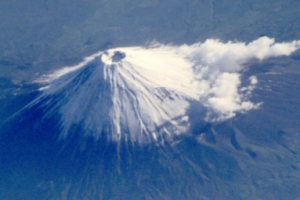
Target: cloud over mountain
[(141, 94)]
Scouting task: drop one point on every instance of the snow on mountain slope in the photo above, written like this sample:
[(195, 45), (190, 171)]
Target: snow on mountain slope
[(142, 94)]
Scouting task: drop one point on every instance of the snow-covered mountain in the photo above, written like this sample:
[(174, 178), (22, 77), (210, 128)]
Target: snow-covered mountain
[(143, 94), (124, 96), (162, 122)]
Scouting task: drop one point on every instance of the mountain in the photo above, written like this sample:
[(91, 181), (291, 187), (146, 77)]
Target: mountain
[(143, 94), (159, 122), (123, 98)]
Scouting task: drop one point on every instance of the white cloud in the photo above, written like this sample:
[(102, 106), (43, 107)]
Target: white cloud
[(218, 69)]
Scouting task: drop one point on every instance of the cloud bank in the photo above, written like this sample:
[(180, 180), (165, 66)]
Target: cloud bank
[(218, 67)]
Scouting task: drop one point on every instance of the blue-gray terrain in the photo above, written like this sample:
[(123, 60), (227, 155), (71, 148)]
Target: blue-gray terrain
[(223, 123)]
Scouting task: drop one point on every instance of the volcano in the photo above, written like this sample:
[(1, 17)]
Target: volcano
[(145, 94), (123, 96), (157, 122)]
